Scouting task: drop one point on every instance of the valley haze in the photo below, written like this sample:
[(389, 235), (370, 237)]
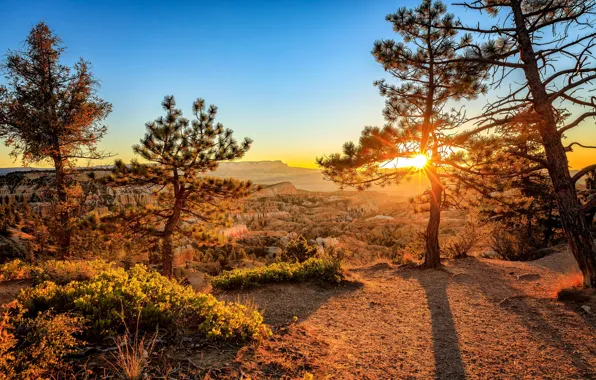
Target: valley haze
[(276, 171)]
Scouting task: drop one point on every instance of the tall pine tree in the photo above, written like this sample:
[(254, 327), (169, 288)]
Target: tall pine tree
[(420, 127), (179, 153)]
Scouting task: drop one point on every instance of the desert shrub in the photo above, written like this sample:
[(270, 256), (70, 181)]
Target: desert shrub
[(58, 271), (337, 253), (15, 270), (323, 269), (513, 245), (50, 337), (387, 235), (413, 251), (223, 255), (115, 298), (8, 342), (298, 250), (64, 271), (462, 243), (34, 347), (212, 269)]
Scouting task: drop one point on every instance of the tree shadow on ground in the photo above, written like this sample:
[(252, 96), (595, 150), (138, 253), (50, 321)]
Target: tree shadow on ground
[(293, 349), (446, 349), (280, 303), (531, 311), (575, 299)]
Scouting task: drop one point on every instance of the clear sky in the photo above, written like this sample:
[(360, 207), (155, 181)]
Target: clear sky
[(295, 76)]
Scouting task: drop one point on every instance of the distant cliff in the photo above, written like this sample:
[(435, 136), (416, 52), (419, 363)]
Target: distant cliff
[(273, 172), (278, 188)]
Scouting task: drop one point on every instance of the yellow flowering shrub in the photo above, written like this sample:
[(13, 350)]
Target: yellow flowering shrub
[(323, 269), (65, 271), (33, 348), (8, 342), (115, 298), (15, 270), (59, 271)]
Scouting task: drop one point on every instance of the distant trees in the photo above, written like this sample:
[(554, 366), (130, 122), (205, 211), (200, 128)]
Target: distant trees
[(298, 250), (179, 153), (551, 43), (429, 75), (51, 112)]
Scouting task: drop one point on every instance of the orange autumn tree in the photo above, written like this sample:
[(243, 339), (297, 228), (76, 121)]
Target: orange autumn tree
[(51, 112), (420, 127)]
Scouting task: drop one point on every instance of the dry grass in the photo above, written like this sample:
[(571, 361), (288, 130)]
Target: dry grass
[(409, 258), (132, 354)]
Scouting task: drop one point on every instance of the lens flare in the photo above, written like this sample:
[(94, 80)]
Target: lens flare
[(419, 161)]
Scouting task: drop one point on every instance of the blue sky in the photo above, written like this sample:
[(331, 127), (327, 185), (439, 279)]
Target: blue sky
[(295, 76)]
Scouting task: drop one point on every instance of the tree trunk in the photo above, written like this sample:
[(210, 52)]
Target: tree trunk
[(432, 254), (167, 256), (576, 229), (167, 251), (64, 234)]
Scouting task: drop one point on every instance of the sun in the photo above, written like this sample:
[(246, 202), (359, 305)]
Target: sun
[(419, 161)]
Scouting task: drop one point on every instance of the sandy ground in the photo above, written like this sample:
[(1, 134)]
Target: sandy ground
[(477, 319), (474, 320)]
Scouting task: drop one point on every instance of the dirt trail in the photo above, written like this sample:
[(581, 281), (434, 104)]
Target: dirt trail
[(475, 320)]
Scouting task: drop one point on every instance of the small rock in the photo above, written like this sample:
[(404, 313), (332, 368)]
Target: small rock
[(528, 277), (586, 309)]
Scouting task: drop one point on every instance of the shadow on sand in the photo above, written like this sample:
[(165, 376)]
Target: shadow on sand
[(280, 303), (446, 350), (533, 312)]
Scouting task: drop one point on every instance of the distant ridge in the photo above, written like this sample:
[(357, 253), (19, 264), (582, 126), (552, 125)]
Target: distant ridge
[(5, 171), (276, 171)]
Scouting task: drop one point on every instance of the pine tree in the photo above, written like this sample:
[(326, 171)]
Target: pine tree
[(51, 112), (550, 42), (419, 125), (179, 153)]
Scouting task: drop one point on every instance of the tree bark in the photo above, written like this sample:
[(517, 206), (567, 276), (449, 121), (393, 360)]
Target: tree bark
[(64, 238), (432, 255), (576, 229), (167, 256), (167, 251)]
